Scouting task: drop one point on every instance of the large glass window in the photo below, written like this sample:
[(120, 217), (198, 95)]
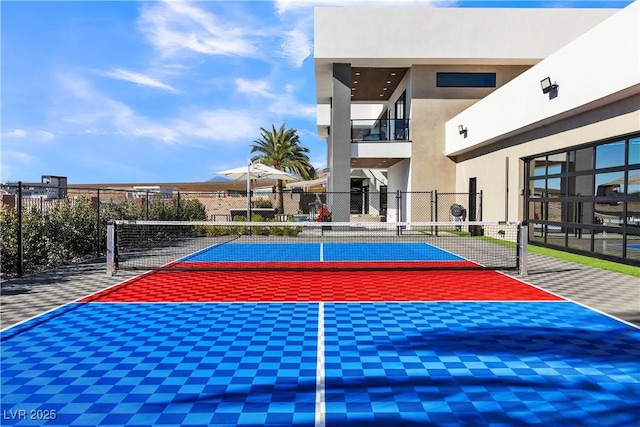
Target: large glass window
[(610, 184), (401, 106), (610, 155), (634, 151), (466, 79), (581, 160), (633, 189), (588, 199), (556, 163)]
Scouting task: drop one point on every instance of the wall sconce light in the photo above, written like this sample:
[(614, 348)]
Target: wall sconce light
[(462, 130), (547, 86)]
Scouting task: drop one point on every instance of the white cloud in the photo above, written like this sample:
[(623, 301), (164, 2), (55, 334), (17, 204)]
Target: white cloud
[(96, 113), (173, 69), (15, 133), (255, 87), (287, 106), (220, 125), (282, 104), (296, 47), (43, 134), (173, 27), (37, 135), (137, 78)]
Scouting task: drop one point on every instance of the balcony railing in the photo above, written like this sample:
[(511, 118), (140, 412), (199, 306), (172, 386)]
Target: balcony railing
[(379, 130)]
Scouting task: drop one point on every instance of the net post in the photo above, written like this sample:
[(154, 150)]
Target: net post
[(111, 249), (522, 247)]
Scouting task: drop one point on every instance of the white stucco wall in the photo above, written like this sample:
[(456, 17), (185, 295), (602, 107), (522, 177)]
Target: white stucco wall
[(599, 67), (403, 36), (398, 179)]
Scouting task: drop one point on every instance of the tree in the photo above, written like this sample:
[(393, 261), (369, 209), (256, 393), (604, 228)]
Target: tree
[(281, 149)]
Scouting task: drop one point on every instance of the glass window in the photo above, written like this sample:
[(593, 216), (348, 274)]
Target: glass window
[(633, 242), (536, 212), (401, 106), (466, 79), (581, 160), (554, 211), (580, 185), (610, 184), (608, 243), (610, 155), (634, 151), (633, 188), (556, 163), (539, 166), (553, 187), (539, 188)]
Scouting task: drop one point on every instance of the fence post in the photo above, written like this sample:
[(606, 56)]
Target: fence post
[(146, 209), (435, 205), (178, 207), (111, 249), (522, 247), (20, 247), (98, 224)]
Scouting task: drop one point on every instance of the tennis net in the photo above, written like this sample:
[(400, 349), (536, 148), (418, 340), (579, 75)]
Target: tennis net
[(205, 245)]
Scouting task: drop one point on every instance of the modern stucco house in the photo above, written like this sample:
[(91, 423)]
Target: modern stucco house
[(537, 108)]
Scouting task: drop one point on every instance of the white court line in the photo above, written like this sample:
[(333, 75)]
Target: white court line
[(321, 251), (320, 373)]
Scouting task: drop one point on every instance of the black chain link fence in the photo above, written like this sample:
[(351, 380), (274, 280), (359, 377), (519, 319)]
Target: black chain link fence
[(46, 226)]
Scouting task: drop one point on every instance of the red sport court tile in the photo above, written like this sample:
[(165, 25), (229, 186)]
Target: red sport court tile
[(321, 286)]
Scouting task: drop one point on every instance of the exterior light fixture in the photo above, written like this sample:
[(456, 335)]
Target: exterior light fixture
[(388, 82), (462, 130), (547, 86)]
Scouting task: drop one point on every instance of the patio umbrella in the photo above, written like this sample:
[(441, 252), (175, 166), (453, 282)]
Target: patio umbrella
[(256, 171)]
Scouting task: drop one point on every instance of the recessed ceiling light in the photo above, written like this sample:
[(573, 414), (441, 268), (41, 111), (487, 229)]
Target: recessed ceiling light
[(357, 73), (393, 74), (381, 94), (384, 88), (355, 82), (353, 88), (388, 82)]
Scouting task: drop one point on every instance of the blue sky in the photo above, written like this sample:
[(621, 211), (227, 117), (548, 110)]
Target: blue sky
[(118, 91)]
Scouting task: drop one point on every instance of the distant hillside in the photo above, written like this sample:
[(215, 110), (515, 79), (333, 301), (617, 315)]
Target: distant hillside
[(219, 178)]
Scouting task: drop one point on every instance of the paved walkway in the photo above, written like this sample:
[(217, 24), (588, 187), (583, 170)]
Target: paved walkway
[(615, 294)]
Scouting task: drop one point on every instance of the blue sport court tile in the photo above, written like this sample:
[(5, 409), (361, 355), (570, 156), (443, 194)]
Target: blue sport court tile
[(480, 364), (381, 251), (165, 364), (258, 252)]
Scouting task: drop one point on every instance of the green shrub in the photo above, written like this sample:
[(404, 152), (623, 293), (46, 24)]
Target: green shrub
[(8, 240), (263, 203)]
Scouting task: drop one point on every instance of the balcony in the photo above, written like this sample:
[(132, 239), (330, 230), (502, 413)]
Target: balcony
[(386, 130), (379, 143)]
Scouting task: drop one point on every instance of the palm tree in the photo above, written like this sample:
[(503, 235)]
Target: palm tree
[(281, 149)]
